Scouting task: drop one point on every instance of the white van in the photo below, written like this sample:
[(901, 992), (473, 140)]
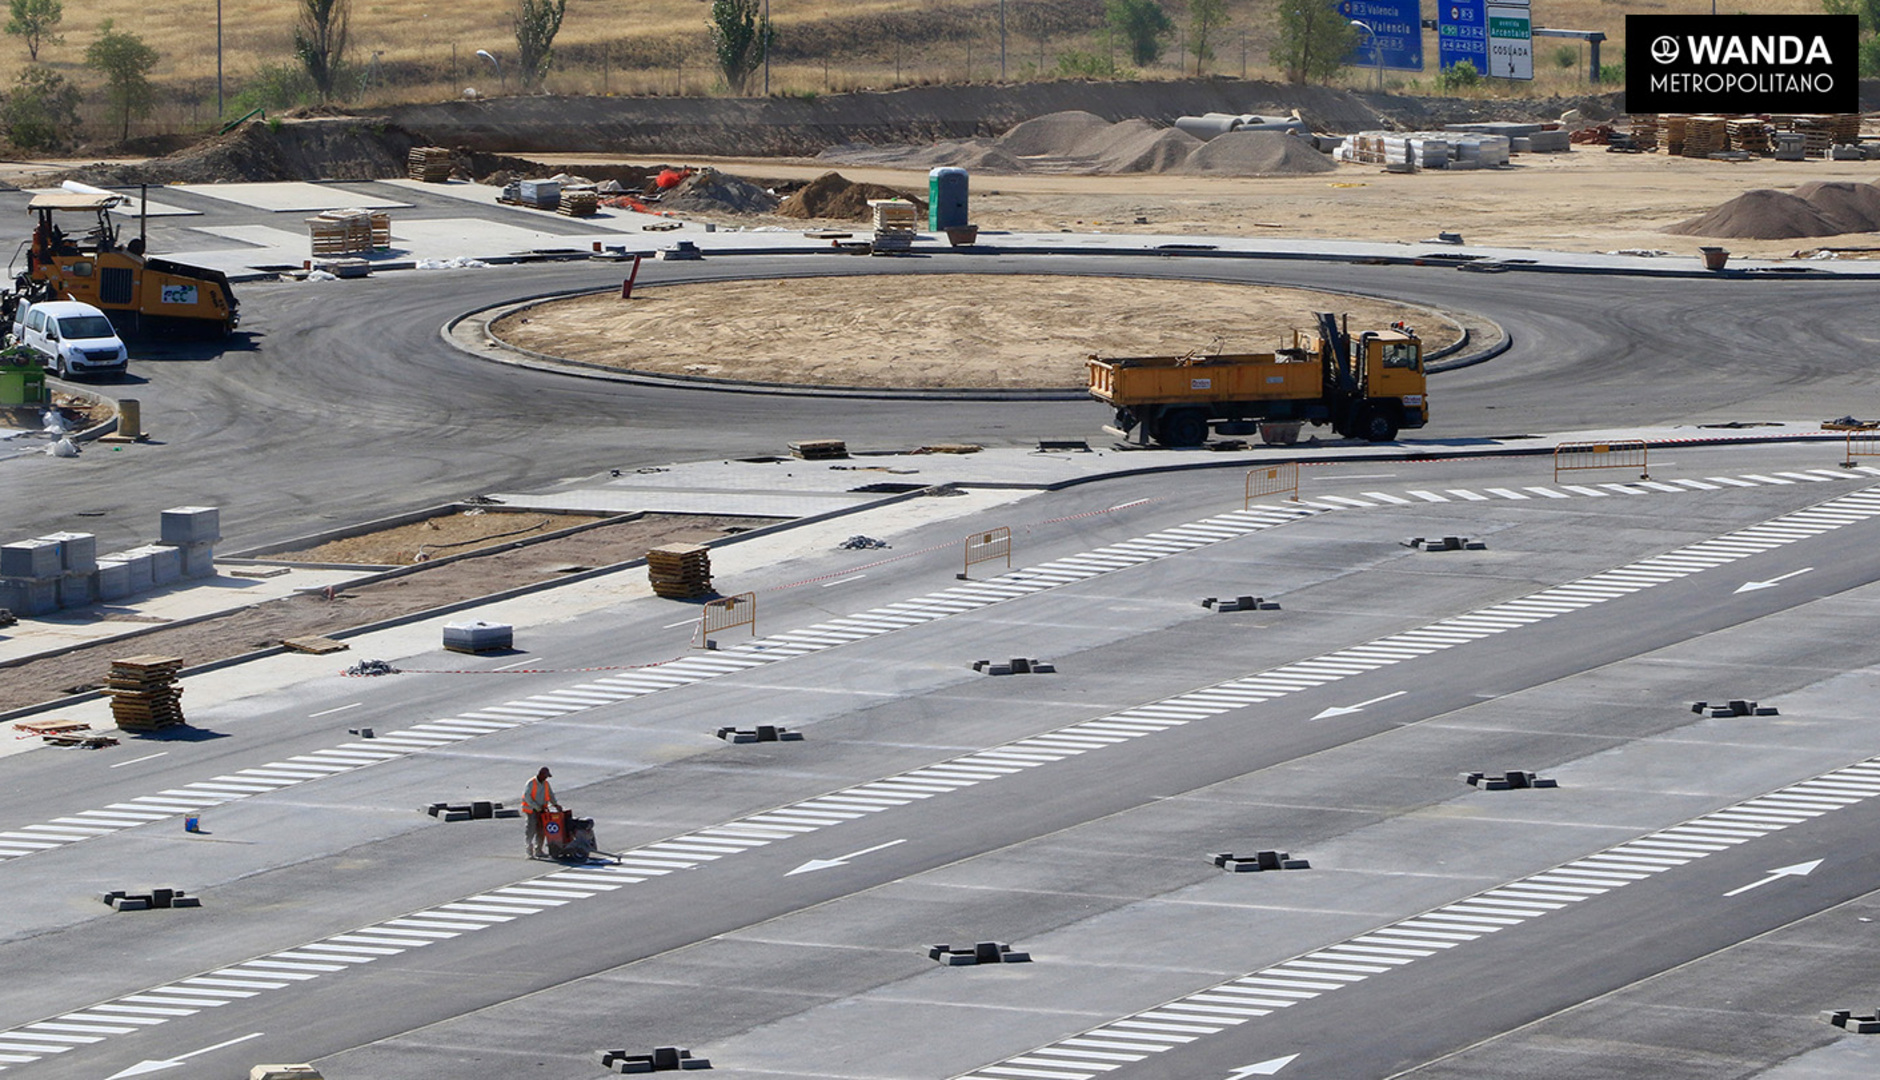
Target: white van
[(71, 338)]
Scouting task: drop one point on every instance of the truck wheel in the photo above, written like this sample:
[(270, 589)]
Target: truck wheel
[(1187, 427), (1377, 426)]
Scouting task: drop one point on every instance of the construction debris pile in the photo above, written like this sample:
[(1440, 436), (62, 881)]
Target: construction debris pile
[(144, 694), (1820, 208), (1737, 137)]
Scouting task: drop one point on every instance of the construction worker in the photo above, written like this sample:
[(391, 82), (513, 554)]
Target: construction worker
[(536, 799)]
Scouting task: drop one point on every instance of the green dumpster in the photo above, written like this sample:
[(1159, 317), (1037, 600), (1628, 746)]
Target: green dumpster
[(22, 380)]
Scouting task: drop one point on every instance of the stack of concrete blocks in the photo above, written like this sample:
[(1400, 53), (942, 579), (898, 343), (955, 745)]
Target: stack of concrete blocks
[(64, 570), (31, 576), (193, 531)]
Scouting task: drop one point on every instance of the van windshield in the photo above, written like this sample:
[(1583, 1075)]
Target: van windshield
[(80, 327)]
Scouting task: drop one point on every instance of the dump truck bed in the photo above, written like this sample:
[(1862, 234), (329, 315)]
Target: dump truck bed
[(1136, 380)]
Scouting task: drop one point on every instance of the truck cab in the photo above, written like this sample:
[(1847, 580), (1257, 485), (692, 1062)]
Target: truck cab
[(70, 338), (1393, 374)]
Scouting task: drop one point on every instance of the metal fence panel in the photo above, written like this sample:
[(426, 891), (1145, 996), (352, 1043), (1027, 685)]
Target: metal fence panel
[(1273, 480), (1613, 454)]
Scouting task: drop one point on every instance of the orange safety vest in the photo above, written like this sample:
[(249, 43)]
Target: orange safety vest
[(537, 796)]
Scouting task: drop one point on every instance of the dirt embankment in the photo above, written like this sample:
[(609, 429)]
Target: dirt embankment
[(799, 127)]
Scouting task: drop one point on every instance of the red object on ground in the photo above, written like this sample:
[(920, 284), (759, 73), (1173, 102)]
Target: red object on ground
[(668, 178), (626, 287)]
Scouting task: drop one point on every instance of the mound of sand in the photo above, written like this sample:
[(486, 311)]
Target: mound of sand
[(710, 190), (1762, 214), (979, 154), (1850, 204), (1257, 153), (833, 195), (1054, 135)]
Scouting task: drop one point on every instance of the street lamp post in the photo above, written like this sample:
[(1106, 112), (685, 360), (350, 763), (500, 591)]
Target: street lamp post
[(764, 43), (218, 59), (1377, 51), (1001, 40)]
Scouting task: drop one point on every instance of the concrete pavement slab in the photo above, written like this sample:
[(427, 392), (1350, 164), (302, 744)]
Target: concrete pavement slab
[(290, 196)]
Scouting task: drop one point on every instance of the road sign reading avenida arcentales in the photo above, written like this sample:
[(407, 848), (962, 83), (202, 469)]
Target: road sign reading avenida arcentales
[(1742, 64)]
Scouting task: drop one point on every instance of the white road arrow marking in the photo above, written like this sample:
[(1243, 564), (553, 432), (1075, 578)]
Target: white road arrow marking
[(143, 1067), (1264, 1068), (1346, 710), (1800, 869), (1752, 586), (840, 860)]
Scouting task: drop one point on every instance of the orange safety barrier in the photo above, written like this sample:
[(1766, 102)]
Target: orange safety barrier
[(726, 613), (1273, 480), (1618, 454), (986, 546), (1863, 443)]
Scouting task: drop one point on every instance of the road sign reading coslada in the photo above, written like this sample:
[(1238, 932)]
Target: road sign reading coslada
[(1510, 40)]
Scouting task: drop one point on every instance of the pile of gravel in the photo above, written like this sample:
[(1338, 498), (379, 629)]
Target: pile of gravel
[(710, 190), (1816, 209), (833, 195), (1258, 153), (1058, 134)]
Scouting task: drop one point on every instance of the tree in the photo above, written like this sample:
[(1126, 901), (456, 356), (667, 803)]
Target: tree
[(739, 42), (42, 111), (537, 23), (320, 42), (1868, 11), (1143, 24), (1204, 18), (34, 20), (125, 61), (1313, 39)]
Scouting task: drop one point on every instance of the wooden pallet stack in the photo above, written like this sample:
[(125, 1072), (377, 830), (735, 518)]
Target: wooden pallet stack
[(680, 571), (349, 232), (1750, 134), (896, 224), (429, 164), (1705, 135), (144, 693), (1674, 124), (1645, 132), (819, 449), (579, 202), (1818, 132)]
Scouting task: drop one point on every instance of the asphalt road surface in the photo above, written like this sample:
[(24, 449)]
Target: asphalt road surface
[(1682, 904)]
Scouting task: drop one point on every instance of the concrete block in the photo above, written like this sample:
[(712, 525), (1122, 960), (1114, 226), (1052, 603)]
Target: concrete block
[(78, 589), (77, 551), (166, 564), (114, 579), (29, 596), (185, 525), (31, 559), (198, 560), (137, 564), (284, 1072), (478, 636), (129, 903)]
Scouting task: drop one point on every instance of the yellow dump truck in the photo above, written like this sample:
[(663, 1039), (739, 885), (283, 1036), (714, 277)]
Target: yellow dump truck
[(1369, 388), (139, 293)]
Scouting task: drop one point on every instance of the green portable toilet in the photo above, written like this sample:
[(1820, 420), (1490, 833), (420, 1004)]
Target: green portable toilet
[(946, 199)]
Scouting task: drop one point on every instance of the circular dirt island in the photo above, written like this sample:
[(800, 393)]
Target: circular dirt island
[(931, 331)]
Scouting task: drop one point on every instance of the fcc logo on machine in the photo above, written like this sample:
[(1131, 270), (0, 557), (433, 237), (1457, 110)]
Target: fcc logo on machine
[(1742, 64)]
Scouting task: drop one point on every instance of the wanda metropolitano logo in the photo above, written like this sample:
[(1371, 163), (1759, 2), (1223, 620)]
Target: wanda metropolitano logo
[(1742, 64)]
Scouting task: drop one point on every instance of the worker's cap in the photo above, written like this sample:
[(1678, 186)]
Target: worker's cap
[(544, 774)]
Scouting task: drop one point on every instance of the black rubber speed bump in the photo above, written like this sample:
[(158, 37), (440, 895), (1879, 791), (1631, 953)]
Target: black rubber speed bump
[(1262, 860), (984, 952), (1858, 1025), (662, 1059), (155, 898), (362, 732), (479, 810), (1733, 707), (1017, 665), (1510, 781), (760, 733), (1240, 603), (1445, 543)]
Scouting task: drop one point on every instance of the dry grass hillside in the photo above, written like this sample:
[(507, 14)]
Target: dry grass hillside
[(419, 50)]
